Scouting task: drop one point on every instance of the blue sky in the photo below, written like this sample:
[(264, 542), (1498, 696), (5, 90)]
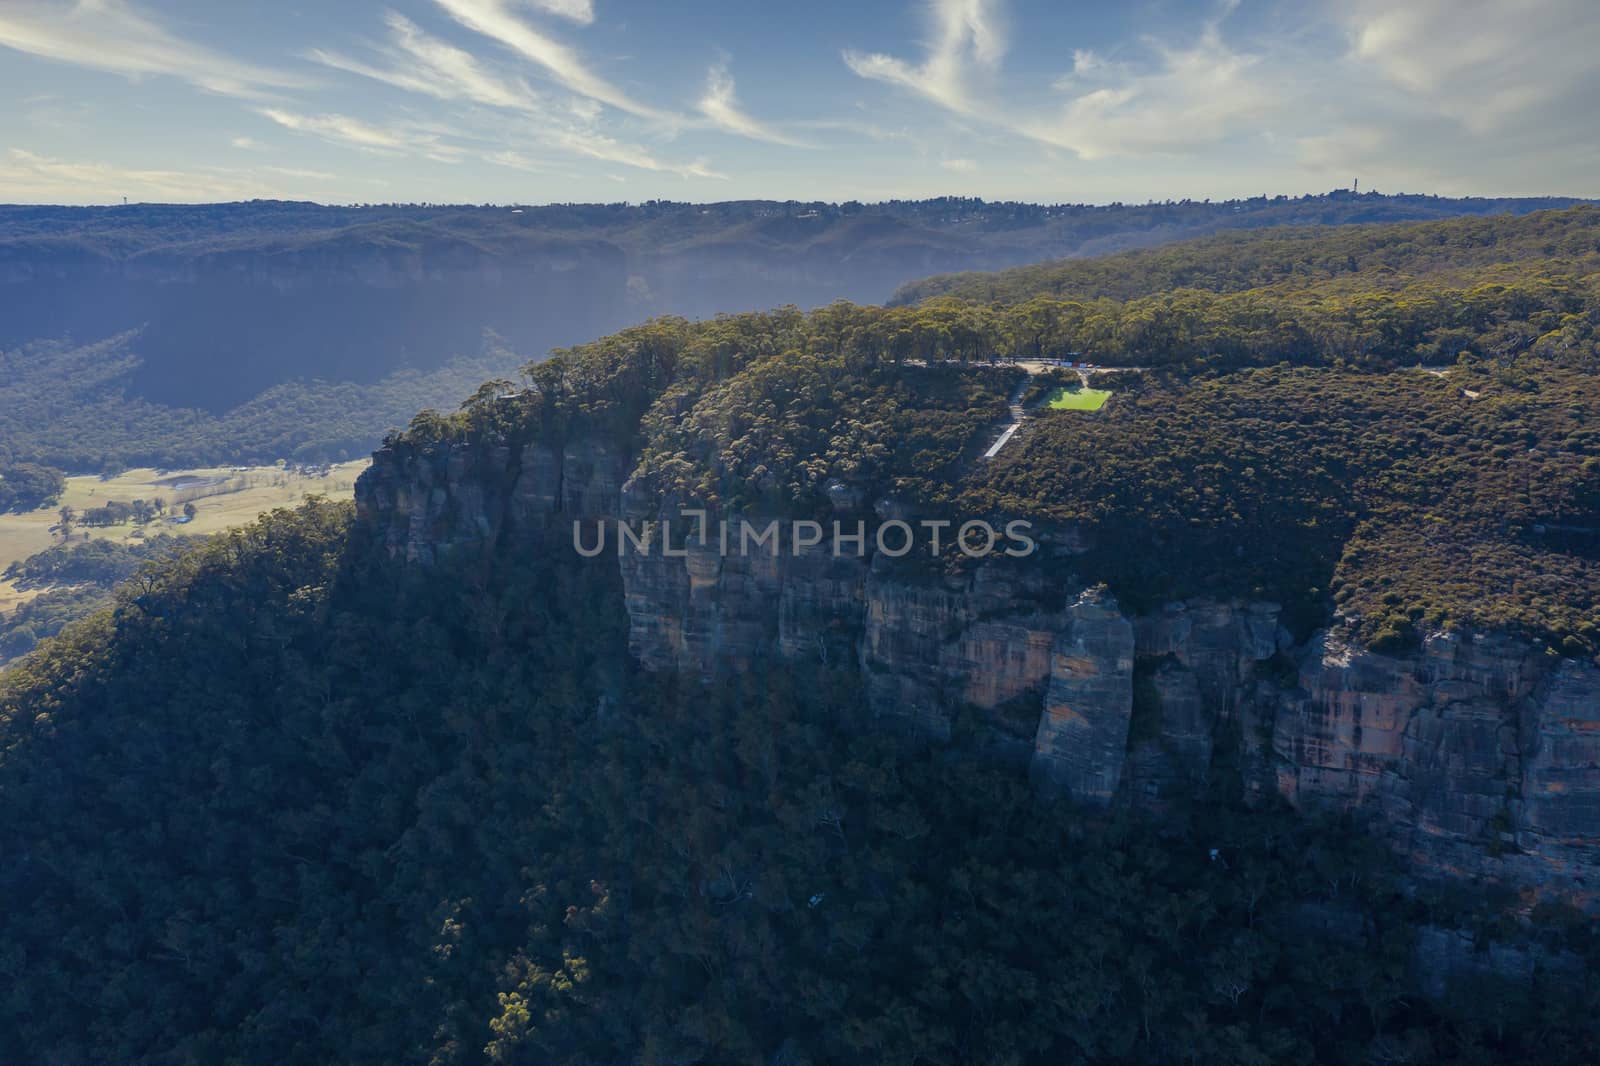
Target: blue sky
[(559, 100)]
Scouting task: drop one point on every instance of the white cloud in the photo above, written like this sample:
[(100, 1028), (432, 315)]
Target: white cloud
[(576, 140), (1084, 62), (1464, 97), (960, 166), (604, 149), (302, 172), (965, 32), (425, 64), (1189, 100), (579, 11), (25, 176), (1344, 148), (337, 128), (342, 129), (595, 145), (516, 161), (859, 128), (28, 176), (111, 35), (248, 144), (493, 19), (721, 106), (1484, 63)]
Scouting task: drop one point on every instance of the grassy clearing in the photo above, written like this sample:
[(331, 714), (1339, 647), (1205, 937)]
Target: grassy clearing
[(1077, 398), (224, 497), (12, 597)]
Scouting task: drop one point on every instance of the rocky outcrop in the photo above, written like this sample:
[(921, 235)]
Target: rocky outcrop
[(1443, 958), (1558, 824), (1082, 738), (982, 639), (1172, 733), (423, 504), (1477, 756)]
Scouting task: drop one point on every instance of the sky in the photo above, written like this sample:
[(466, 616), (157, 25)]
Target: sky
[(534, 101)]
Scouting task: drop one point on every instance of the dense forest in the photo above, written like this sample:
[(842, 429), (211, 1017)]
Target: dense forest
[(292, 799), (1393, 497), (29, 486), (240, 835), (199, 229), (77, 579), (1374, 259), (75, 407)]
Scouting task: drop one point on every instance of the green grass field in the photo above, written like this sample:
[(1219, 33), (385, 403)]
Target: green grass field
[(1076, 398)]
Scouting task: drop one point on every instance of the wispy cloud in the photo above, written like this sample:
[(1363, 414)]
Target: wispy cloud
[(860, 128), (592, 144), (1189, 99), (1459, 97), (721, 107), (493, 19), (1482, 62), (516, 161), (419, 62), (111, 35), (960, 166), (521, 161), (965, 33), (605, 149), (579, 11), (302, 172), (1423, 92), (342, 129), (26, 176), (52, 112)]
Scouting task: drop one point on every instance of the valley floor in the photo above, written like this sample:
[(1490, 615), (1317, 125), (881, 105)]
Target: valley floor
[(224, 497)]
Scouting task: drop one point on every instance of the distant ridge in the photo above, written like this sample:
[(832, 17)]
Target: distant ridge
[(270, 329)]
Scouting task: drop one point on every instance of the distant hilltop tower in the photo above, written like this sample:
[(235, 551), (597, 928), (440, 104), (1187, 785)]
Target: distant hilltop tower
[(1356, 188)]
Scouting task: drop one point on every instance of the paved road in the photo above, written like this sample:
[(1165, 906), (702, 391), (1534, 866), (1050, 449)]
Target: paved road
[(1018, 416)]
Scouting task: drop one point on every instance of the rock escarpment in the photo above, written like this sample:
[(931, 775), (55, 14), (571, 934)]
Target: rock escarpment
[(1477, 755), (422, 504), (1088, 703)]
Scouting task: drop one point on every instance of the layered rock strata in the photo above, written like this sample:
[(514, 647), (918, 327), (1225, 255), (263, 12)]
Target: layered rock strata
[(1478, 755)]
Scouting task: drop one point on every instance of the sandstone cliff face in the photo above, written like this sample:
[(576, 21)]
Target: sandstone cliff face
[(424, 504), (1478, 756), (1558, 823), (1083, 733)]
